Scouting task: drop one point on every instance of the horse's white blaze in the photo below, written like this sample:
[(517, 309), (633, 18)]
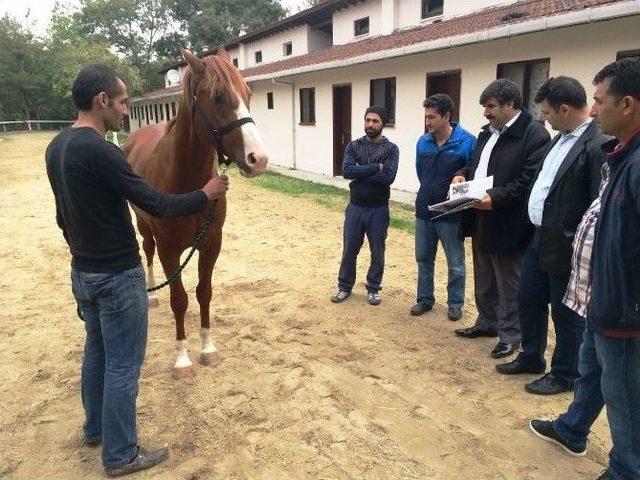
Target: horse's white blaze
[(207, 344), (183, 356), (250, 134)]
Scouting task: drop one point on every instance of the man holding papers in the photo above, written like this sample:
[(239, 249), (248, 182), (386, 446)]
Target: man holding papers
[(510, 148), (443, 150)]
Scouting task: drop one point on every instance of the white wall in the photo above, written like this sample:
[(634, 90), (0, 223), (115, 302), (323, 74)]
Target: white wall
[(275, 126), (409, 13), (318, 40), (568, 52), (454, 8), (343, 21), (271, 47)]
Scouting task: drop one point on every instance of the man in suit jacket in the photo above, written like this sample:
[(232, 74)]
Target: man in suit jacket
[(509, 148), (566, 184)]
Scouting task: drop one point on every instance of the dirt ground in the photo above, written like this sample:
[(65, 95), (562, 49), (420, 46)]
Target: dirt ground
[(307, 389)]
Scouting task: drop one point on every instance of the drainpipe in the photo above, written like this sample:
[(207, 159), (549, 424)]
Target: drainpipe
[(293, 115)]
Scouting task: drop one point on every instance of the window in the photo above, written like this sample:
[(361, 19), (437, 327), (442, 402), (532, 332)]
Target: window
[(133, 112), (258, 56), (166, 107), (432, 8), (529, 75), (155, 116), (270, 100), (361, 26), (235, 62), (146, 111), (383, 92), (287, 49), (308, 106), (628, 54), (161, 113), (173, 109)]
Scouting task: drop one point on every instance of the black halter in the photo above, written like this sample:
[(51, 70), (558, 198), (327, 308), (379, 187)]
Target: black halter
[(216, 134)]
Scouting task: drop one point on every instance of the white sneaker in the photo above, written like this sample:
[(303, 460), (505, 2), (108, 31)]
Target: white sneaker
[(373, 298), (340, 296)]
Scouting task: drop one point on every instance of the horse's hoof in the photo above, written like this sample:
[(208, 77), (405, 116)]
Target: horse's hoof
[(154, 302), (210, 358), (181, 373)]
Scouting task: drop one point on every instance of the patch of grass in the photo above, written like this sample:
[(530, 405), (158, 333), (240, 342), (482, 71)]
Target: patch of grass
[(334, 198)]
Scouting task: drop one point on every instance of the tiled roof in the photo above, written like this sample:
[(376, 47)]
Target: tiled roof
[(475, 22), (524, 10), (160, 93)]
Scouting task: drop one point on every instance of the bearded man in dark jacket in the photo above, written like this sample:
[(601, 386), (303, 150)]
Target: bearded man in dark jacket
[(510, 148)]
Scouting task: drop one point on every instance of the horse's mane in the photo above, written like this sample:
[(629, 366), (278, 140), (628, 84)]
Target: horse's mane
[(219, 75)]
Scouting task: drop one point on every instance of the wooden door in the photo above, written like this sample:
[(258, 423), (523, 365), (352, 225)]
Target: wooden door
[(341, 124), (449, 83)]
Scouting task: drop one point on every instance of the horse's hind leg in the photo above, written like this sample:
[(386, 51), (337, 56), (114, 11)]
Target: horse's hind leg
[(149, 247), (207, 257), (170, 259)]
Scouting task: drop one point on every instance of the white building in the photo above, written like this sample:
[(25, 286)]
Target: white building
[(314, 73)]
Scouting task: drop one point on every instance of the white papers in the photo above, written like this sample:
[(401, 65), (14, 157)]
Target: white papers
[(462, 195)]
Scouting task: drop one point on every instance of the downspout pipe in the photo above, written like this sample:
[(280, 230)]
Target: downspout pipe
[(293, 116)]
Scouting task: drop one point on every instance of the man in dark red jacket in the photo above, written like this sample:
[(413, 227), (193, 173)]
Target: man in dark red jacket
[(605, 284)]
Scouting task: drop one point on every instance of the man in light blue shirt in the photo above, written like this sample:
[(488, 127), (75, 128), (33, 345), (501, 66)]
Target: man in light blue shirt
[(563, 189)]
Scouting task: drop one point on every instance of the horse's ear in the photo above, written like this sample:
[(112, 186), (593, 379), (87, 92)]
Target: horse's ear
[(196, 64), (222, 52)]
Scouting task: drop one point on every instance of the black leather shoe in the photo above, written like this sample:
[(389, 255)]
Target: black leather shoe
[(548, 385), (143, 460), (454, 313), (420, 308), (475, 332), (544, 429), (502, 349), (516, 367)]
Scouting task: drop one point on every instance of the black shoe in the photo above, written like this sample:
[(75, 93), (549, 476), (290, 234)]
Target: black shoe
[(516, 367), (420, 308), (93, 443), (548, 384), (454, 313), (605, 476), (475, 332), (544, 429), (143, 460), (502, 349)]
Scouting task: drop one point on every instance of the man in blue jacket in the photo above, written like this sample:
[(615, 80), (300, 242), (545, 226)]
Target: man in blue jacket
[(443, 150), (371, 162), (605, 284)]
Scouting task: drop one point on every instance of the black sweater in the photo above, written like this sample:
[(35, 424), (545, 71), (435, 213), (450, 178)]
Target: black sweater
[(92, 182)]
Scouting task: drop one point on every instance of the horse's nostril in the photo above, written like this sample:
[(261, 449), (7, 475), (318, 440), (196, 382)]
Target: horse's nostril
[(251, 159)]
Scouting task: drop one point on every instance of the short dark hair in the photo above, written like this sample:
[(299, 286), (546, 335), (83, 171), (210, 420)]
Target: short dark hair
[(92, 80), (624, 75), (441, 102), (504, 91), (562, 91)]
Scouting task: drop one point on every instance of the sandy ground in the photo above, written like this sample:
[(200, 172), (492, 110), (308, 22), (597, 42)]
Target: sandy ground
[(307, 389)]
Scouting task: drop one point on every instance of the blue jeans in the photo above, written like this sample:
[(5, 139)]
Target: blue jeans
[(427, 235), (358, 222), (609, 375), (115, 308), (537, 290)]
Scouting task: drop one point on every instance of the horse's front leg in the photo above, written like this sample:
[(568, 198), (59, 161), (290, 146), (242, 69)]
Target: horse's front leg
[(206, 260), (183, 368)]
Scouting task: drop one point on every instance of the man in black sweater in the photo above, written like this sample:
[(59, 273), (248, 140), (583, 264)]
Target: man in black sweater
[(91, 183), (371, 162)]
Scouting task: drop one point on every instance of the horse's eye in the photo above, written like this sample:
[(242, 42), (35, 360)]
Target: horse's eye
[(218, 100)]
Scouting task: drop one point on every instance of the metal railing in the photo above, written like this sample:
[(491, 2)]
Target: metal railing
[(33, 125)]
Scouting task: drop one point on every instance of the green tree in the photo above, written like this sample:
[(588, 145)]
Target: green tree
[(24, 85), (209, 23)]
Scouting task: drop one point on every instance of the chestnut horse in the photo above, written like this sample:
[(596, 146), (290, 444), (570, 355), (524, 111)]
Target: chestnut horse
[(181, 156)]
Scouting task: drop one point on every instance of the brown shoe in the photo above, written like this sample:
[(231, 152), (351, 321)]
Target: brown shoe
[(143, 460)]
